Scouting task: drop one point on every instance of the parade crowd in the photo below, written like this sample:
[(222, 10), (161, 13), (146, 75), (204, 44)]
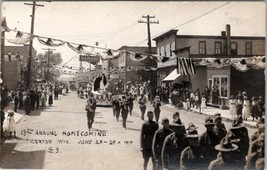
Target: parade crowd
[(39, 97), (175, 146)]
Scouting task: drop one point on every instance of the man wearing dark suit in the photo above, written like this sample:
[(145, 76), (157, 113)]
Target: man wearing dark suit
[(158, 141), (90, 108), (147, 134)]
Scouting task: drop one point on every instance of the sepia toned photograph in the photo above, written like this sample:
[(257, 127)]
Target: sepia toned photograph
[(135, 85)]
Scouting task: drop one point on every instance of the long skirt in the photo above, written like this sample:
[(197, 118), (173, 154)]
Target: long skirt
[(50, 100)]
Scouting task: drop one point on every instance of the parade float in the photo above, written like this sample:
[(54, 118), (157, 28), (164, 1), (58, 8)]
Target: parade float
[(102, 95)]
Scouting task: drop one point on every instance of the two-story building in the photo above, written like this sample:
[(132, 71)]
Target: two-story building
[(225, 46), (16, 65), (125, 61)]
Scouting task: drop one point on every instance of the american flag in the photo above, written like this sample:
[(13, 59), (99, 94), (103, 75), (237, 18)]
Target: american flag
[(185, 66)]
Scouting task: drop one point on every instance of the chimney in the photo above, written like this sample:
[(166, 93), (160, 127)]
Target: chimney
[(228, 39), (223, 33)]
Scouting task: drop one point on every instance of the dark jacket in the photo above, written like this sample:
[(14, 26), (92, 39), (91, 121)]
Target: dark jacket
[(171, 151), (148, 130), (207, 143), (158, 141)]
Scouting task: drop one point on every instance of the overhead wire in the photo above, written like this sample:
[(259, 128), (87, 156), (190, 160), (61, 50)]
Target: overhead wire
[(96, 34), (111, 36), (206, 13)]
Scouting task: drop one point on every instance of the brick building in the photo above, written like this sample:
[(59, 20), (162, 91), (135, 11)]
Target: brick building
[(227, 78), (125, 61), (15, 68)]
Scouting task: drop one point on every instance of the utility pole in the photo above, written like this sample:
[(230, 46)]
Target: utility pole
[(152, 63), (48, 61), (31, 42)]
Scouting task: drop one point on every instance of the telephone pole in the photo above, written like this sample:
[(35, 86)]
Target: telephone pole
[(48, 61), (152, 63), (31, 42)]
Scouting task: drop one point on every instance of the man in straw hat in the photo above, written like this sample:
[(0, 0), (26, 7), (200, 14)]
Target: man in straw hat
[(219, 127), (142, 105), (225, 159), (256, 152), (191, 157), (208, 140), (238, 133), (173, 145), (177, 121), (158, 141)]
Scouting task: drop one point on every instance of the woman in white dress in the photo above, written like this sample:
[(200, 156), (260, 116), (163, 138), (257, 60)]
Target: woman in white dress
[(232, 106), (9, 123), (246, 108), (203, 102)]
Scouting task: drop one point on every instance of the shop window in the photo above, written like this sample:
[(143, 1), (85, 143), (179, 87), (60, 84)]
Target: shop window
[(218, 48), (202, 47), (222, 83), (248, 48)]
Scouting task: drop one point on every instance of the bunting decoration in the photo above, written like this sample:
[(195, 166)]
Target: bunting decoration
[(162, 59), (129, 68), (80, 49), (50, 42), (136, 56), (218, 63), (261, 64), (241, 66), (185, 66), (110, 55), (204, 62), (20, 38)]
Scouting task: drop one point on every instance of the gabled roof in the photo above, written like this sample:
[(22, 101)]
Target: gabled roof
[(172, 31), (138, 49)]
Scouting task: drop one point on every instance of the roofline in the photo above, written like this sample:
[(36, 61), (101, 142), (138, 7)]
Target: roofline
[(125, 46), (165, 34), (220, 37)]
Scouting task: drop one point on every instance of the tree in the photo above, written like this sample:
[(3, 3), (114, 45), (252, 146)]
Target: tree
[(44, 64)]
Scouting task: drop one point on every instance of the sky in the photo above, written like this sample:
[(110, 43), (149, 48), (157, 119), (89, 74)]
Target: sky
[(115, 23)]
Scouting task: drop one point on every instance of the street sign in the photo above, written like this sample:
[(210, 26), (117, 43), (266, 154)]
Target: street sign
[(90, 58)]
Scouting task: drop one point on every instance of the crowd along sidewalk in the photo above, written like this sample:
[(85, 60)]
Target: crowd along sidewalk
[(225, 114), (209, 111), (17, 115)]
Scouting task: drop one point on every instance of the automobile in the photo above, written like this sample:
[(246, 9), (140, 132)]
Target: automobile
[(72, 85)]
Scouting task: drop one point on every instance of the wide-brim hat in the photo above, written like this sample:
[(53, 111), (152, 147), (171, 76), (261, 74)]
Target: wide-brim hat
[(226, 145), (236, 125), (209, 122), (179, 129), (191, 128), (192, 136), (217, 114), (11, 112)]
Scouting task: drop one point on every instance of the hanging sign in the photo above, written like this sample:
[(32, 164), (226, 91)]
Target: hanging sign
[(90, 58)]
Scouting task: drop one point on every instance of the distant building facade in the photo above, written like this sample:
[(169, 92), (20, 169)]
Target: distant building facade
[(16, 60), (125, 61), (226, 78)]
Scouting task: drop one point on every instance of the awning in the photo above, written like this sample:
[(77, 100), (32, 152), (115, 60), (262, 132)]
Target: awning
[(172, 76)]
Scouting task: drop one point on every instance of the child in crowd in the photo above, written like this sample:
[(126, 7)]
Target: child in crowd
[(187, 105), (203, 102)]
